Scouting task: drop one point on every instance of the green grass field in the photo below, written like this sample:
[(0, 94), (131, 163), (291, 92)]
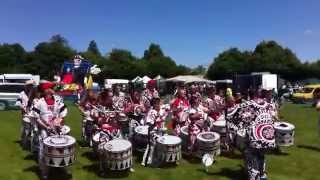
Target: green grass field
[(301, 161)]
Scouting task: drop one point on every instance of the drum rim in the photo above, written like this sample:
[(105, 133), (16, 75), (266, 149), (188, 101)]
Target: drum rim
[(219, 125), (177, 137), (117, 151), (72, 140), (145, 126), (289, 126), (216, 136)]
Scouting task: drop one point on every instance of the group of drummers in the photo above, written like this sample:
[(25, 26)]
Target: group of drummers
[(196, 122)]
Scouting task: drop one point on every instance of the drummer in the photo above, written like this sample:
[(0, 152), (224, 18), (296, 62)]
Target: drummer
[(22, 103), (197, 118), (86, 106), (214, 103), (179, 107), (149, 93), (118, 97), (135, 107), (254, 118), (50, 114), (155, 119)]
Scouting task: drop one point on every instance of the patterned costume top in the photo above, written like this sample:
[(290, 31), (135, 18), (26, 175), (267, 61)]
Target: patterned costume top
[(255, 118)]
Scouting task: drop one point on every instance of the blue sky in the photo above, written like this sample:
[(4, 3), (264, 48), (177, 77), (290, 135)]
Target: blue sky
[(191, 32)]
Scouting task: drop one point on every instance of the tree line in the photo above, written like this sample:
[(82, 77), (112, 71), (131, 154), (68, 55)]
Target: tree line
[(47, 58), (268, 56)]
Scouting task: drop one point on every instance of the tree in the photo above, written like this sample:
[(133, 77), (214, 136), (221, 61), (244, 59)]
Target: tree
[(48, 57), (12, 57), (93, 48), (229, 63), (121, 55), (199, 70), (154, 51)]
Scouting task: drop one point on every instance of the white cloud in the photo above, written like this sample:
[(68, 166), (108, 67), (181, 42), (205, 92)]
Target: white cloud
[(307, 32)]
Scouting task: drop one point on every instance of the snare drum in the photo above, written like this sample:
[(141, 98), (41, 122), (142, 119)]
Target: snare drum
[(59, 150), (220, 127), (208, 143), (141, 138), (118, 155), (169, 148), (184, 139), (284, 133)]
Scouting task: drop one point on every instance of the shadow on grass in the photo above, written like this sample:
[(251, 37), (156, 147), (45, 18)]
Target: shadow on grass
[(313, 148), (233, 155), (54, 173), (94, 168), (191, 159), (90, 155), (278, 152), (232, 174)]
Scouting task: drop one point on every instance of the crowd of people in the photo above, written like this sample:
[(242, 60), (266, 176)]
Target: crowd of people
[(249, 116)]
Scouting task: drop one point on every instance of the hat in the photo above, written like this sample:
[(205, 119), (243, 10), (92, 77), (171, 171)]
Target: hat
[(106, 127), (44, 85), (30, 82)]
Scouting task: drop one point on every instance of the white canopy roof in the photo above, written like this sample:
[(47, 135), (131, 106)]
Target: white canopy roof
[(189, 79), (159, 77), (145, 79), (137, 79)]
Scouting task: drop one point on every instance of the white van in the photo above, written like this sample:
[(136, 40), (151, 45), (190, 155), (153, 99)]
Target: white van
[(10, 87)]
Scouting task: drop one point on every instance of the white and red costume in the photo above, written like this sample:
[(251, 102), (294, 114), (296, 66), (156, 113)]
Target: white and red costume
[(196, 125), (179, 108)]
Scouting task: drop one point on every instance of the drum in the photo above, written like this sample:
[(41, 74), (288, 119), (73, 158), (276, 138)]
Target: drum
[(208, 143), (219, 127), (123, 121), (284, 133), (169, 148), (184, 139), (141, 138), (59, 150), (118, 155)]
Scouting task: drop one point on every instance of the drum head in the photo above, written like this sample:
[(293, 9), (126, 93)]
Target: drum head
[(142, 130), (219, 123), (283, 126), (59, 140), (117, 145), (169, 140), (208, 136)]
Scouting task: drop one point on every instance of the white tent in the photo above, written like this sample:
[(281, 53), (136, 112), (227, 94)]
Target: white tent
[(137, 79), (145, 79), (189, 79), (159, 77)]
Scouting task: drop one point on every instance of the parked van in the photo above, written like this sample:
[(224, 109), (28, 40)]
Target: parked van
[(10, 87)]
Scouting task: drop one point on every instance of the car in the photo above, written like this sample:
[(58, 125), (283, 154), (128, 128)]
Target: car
[(9, 93), (306, 94)]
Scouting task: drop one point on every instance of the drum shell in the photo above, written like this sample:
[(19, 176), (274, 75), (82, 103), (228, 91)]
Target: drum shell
[(61, 156), (117, 161), (170, 153), (184, 139), (284, 137), (211, 146), (140, 141)]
